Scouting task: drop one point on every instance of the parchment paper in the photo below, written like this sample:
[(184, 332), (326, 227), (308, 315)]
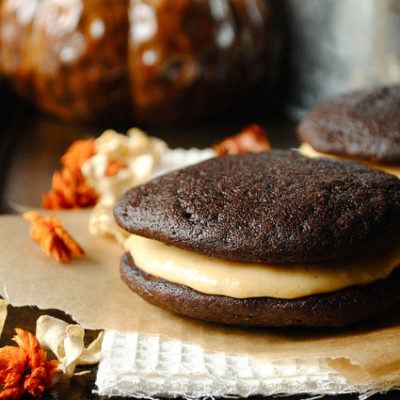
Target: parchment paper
[(91, 291)]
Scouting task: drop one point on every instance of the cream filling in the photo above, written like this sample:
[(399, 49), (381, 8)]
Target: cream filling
[(242, 280), (308, 151)]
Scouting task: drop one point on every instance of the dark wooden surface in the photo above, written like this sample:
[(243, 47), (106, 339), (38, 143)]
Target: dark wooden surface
[(31, 146)]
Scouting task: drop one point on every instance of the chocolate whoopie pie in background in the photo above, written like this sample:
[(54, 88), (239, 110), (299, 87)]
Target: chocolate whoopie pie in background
[(268, 239), (362, 125)]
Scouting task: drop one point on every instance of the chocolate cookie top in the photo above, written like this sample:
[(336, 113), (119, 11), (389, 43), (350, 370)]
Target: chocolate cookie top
[(275, 207), (363, 124)]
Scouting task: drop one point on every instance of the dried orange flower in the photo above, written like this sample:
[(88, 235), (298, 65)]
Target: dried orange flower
[(78, 153), (25, 368), (114, 166), (68, 188), (252, 139), (52, 237)]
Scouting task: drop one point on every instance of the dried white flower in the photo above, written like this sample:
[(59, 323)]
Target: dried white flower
[(3, 314), (140, 158), (66, 342)]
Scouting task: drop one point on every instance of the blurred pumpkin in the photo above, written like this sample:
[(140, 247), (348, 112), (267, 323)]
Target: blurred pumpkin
[(143, 60)]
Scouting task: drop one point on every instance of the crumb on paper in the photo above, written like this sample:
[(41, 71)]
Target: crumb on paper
[(25, 368), (52, 237), (3, 314), (66, 342), (252, 139), (69, 188)]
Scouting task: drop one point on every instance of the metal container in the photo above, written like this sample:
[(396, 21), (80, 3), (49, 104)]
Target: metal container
[(340, 45)]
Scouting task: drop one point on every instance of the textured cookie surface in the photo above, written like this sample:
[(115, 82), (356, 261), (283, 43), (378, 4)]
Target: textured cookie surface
[(269, 207), (333, 309), (363, 124)]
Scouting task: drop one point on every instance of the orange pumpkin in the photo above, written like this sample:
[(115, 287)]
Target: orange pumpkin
[(143, 60)]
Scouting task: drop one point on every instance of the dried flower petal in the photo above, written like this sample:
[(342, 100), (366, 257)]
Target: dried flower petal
[(102, 222), (52, 237), (66, 342), (78, 153), (113, 167), (25, 368), (69, 188), (252, 139)]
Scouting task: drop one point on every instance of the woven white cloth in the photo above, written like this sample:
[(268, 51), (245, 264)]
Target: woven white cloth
[(153, 366)]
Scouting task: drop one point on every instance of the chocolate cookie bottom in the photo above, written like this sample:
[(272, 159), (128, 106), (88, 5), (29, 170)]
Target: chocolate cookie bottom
[(331, 309)]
